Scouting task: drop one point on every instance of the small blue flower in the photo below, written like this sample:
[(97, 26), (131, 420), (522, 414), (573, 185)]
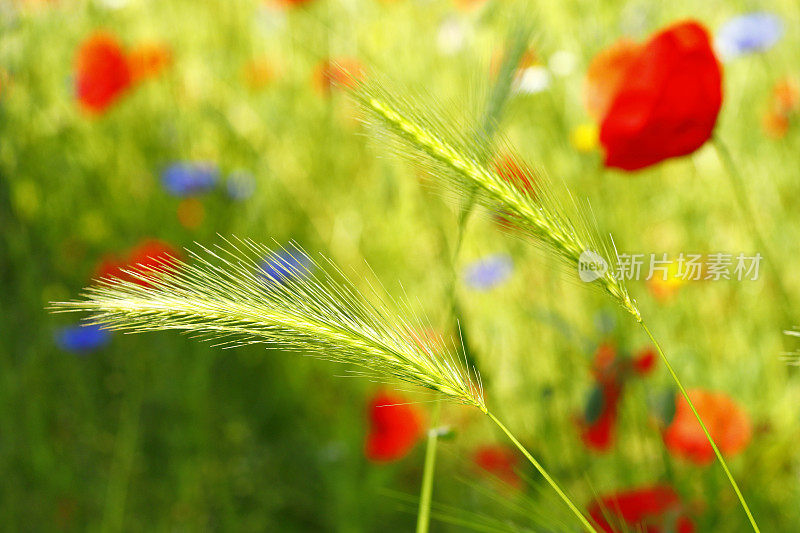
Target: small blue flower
[(285, 265), (82, 338), (488, 272), (753, 32), (189, 179), (240, 185)]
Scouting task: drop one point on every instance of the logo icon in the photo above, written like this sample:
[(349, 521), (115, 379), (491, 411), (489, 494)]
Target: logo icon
[(591, 266)]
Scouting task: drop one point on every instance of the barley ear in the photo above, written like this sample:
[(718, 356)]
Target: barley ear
[(226, 293), (426, 139)]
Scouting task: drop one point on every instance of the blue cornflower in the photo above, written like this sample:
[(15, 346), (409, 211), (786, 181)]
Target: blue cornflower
[(488, 272), (240, 185), (189, 179), (285, 265), (82, 338), (753, 32)]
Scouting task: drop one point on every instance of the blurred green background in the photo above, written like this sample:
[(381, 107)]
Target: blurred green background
[(158, 432)]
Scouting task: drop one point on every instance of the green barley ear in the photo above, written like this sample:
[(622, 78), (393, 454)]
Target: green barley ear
[(458, 157), (225, 293)]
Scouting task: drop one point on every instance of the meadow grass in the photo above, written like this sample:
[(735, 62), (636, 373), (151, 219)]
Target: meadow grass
[(226, 295), (155, 432)]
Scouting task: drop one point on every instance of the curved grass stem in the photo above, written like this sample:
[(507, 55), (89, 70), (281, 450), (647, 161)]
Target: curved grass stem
[(705, 430), (544, 474), (424, 512)]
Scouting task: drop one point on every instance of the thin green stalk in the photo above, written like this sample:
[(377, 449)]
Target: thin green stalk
[(544, 474), (496, 104), (424, 513), (702, 425), (737, 184)]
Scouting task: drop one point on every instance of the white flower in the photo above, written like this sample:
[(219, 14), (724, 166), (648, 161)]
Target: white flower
[(452, 37), (532, 80)]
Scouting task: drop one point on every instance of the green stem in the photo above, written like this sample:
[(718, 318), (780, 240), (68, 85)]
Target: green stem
[(113, 517), (424, 512), (705, 430), (544, 474), (737, 184), (497, 101)]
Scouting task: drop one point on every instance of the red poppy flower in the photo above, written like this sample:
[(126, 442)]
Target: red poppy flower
[(656, 509), (520, 177), (147, 256), (599, 421), (645, 361), (600, 417), (775, 124), (395, 427), (604, 366), (499, 461), (785, 102), (786, 96), (294, 3), (659, 100), (102, 73), (727, 423), (345, 72), (467, 5), (148, 60), (152, 255), (515, 173), (110, 266)]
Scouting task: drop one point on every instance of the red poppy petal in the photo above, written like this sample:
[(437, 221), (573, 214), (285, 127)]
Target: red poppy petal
[(395, 427), (600, 434), (639, 509), (499, 461), (668, 100), (102, 72), (727, 423), (605, 74)]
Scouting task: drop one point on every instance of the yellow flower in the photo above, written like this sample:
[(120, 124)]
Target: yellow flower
[(584, 137), (665, 289)]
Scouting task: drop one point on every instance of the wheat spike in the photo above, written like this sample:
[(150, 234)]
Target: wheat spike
[(428, 141), (224, 293)]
